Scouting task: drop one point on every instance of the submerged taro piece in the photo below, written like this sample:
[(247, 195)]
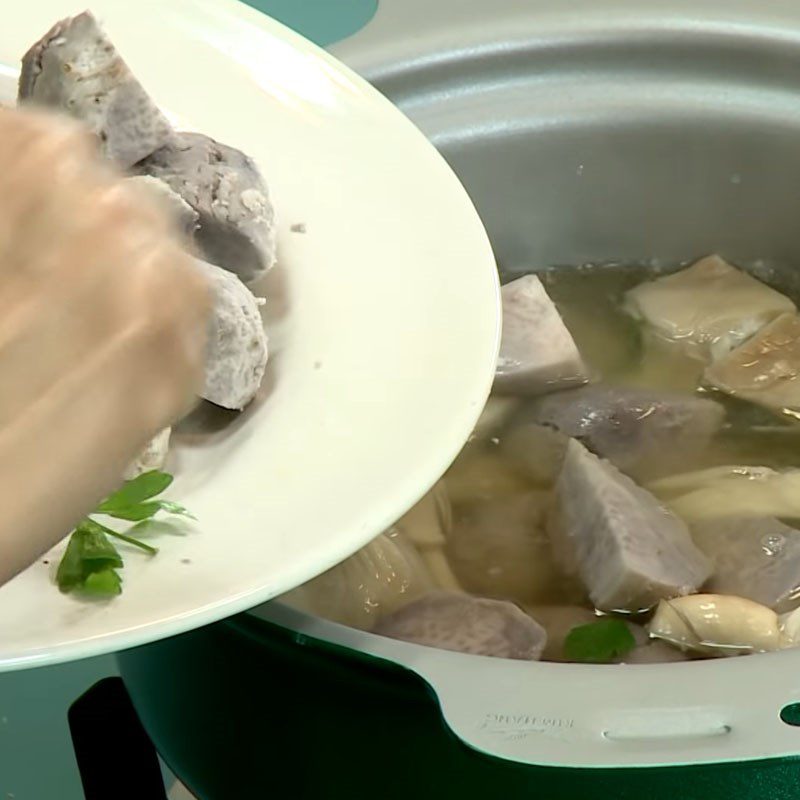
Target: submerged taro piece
[(236, 227), (453, 621), (75, 68), (635, 429), (629, 550), (537, 353), (757, 558)]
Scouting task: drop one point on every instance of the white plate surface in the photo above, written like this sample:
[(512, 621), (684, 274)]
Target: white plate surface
[(383, 319)]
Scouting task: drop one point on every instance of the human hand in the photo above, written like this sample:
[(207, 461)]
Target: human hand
[(102, 330)]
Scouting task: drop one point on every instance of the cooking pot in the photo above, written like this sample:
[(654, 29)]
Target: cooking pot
[(585, 131)]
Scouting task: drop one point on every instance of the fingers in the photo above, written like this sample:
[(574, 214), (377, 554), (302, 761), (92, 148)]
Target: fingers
[(84, 259), (103, 324)]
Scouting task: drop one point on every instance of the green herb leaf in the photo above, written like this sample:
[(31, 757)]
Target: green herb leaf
[(147, 510), (88, 552), (599, 642), (149, 549), (105, 583), (135, 513), (70, 569), (176, 509), (90, 561), (135, 492)]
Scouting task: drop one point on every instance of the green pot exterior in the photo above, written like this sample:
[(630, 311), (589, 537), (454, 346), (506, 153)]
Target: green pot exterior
[(246, 709), (322, 21)]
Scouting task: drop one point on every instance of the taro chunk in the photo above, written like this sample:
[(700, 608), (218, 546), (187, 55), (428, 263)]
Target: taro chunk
[(76, 69), (630, 551), (711, 307), (766, 369), (537, 352), (757, 558), (237, 345), (236, 355), (637, 430), (224, 186), (455, 621)]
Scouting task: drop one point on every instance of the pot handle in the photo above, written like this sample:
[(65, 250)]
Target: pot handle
[(582, 715)]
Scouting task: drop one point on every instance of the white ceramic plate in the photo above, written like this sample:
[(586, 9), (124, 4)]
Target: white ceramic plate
[(383, 318)]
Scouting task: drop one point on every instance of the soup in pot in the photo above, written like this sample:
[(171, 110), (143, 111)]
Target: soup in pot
[(630, 494)]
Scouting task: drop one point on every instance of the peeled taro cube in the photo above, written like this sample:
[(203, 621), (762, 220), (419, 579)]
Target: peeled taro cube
[(236, 354), (237, 221), (537, 352), (237, 344), (757, 558), (637, 430), (630, 551), (76, 69), (455, 621)]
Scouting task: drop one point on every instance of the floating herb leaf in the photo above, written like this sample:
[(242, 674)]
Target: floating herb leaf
[(599, 642)]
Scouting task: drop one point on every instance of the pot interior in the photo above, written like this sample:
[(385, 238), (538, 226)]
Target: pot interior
[(628, 146)]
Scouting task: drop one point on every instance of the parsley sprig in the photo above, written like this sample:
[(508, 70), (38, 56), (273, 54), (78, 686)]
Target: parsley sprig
[(599, 642), (90, 562)]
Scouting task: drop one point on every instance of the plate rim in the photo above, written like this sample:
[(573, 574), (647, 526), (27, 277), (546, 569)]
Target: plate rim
[(120, 638)]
